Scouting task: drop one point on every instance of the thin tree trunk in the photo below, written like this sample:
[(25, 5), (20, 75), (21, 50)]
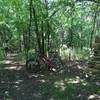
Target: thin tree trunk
[(71, 30), (25, 45), (20, 43), (42, 45), (30, 20), (94, 26)]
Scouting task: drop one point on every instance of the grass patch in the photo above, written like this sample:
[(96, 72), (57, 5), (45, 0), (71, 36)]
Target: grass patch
[(75, 53), (64, 88)]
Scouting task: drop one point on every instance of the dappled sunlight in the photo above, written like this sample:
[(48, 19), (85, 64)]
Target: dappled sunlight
[(5, 62), (49, 50), (65, 52), (79, 67), (60, 84), (94, 96), (7, 96), (79, 95), (75, 53), (75, 80), (69, 84), (42, 75), (12, 82), (35, 75), (38, 95), (16, 86), (63, 84), (18, 81), (13, 67), (10, 64), (42, 81), (98, 83)]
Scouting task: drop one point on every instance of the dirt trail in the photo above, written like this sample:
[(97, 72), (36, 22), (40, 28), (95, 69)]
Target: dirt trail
[(14, 83), (72, 84)]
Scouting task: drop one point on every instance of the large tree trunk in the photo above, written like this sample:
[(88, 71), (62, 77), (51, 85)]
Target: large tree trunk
[(37, 31), (48, 26)]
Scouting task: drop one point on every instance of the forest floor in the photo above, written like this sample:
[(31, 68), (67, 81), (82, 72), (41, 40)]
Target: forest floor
[(72, 84)]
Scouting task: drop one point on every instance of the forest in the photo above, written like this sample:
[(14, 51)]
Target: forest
[(49, 49)]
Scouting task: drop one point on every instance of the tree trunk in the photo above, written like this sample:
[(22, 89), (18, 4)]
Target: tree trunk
[(42, 45), (30, 20), (48, 26), (37, 31), (94, 26)]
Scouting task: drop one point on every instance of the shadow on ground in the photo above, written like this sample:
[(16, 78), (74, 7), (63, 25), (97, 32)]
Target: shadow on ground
[(72, 84)]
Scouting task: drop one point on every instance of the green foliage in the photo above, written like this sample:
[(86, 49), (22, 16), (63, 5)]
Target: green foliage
[(65, 22), (76, 53)]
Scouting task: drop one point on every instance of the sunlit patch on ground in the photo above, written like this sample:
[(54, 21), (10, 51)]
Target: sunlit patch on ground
[(94, 97), (75, 80), (10, 63), (5, 62), (98, 83), (18, 81), (13, 67), (61, 85)]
